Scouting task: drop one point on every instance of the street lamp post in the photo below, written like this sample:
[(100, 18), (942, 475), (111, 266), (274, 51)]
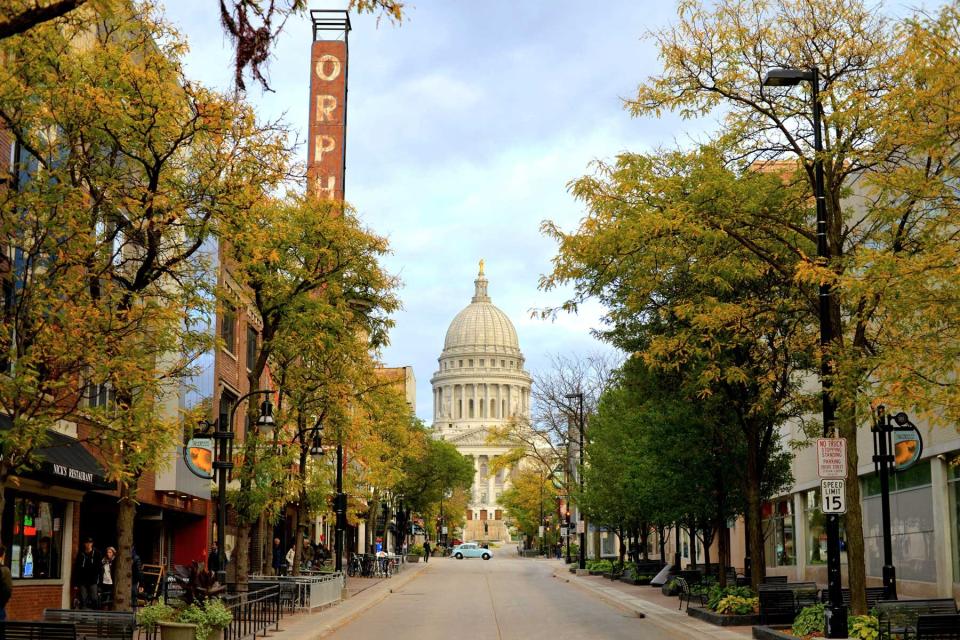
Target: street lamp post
[(222, 435), (884, 459), (582, 563), (836, 613), (340, 508)]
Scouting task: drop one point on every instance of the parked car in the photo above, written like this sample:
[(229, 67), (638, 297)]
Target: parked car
[(470, 550)]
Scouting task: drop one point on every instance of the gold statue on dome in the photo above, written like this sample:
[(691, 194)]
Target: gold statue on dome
[(481, 266)]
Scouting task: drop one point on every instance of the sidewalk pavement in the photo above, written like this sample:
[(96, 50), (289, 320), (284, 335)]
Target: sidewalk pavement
[(364, 594), (650, 603)]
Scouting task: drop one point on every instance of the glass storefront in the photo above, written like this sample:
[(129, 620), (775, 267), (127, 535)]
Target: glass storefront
[(778, 532), (817, 530), (911, 524), (953, 486), (33, 532)]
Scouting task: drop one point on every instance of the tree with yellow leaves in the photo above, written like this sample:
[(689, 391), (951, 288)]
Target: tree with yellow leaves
[(887, 89)]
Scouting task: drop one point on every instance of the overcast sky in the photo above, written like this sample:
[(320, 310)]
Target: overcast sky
[(465, 125)]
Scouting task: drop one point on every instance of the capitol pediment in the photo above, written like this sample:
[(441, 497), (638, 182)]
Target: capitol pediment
[(474, 437)]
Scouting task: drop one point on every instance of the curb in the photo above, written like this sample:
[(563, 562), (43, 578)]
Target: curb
[(613, 602), (323, 628)]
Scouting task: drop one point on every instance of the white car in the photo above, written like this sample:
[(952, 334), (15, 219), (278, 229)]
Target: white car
[(470, 550)]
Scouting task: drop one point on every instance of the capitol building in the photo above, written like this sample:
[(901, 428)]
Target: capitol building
[(480, 384)]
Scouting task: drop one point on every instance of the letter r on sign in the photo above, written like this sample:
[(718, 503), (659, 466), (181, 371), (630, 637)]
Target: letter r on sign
[(326, 105)]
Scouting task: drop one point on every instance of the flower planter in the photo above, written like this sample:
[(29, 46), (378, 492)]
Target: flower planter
[(184, 631), (778, 632), (178, 631), (722, 619), (413, 558)]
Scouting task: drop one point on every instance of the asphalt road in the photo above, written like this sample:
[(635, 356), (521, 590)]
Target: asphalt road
[(506, 598)]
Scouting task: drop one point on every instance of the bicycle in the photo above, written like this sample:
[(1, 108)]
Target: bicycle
[(355, 566)]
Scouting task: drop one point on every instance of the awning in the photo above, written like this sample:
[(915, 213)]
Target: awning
[(68, 462), (64, 461)]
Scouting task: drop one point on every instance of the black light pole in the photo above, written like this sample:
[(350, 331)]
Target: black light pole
[(836, 613), (582, 563), (340, 508), (223, 463), (883, 459), (568, 530), (543, 528)]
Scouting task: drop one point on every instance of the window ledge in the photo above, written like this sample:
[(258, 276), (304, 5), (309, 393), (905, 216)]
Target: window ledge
[(39, 582)]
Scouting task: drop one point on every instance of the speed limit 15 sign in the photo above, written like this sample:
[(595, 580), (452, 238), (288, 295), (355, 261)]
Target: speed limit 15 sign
[(833, 496)]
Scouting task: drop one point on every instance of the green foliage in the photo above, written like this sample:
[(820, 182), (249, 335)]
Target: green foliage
[(808, 621), (599, 565), (718, 593), (738, 605), (209, 618), (415, 550), (149, 616), (863, 627)]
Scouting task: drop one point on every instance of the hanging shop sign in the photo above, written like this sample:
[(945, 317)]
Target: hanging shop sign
[(198, 456)]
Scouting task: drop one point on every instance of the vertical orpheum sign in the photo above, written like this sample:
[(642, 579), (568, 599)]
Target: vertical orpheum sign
[(326, 147)]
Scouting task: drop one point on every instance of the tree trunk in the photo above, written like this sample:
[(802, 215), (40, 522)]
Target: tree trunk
[(754, 523), (644, 539), (4, 476), (241, 551), (707, 541), (692, 530), (856, 563), (661, 533), (723, 549), (123, 565), (622, 551)]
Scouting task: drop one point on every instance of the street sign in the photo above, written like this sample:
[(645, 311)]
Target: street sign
[(832, 457), (563, 532), (444, 531), (833, 496), (581, 526), (540, 531)]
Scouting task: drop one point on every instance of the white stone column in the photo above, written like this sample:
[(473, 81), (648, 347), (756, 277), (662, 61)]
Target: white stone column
[(491, 484), (475, 407), (799, 535), (942, 542)]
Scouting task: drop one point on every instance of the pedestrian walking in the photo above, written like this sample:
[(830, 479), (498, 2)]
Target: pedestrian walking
[(213, 559), (426, 551), (106, 577), (6, 583), (86, 574), (278, 558), (289, 558), (136, 576)]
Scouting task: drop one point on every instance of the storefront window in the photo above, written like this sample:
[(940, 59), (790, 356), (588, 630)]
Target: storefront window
[(817, 530), (778, 531), (911, 524), (35, 542), (953, 486)]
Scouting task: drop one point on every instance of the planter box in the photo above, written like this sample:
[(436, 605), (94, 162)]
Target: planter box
[(597, 572), (667, 590), (776, 632), (177, 631), (722, 620), (413, 558), (635, 581)]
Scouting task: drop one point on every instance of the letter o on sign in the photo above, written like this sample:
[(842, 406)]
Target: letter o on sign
[(328, 67)]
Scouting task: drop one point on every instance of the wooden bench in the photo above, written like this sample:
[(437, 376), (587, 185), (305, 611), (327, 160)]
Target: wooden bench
[(774, 580), (899, 617), (943, 626), (781, 601), (108, 625), (874, 595), (30, 630)]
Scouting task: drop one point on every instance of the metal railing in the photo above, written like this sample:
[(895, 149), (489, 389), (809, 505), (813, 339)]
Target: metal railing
[(305, 592), (254, 613)]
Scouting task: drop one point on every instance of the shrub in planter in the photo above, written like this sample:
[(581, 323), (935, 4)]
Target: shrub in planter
[(670, 588), (738, 606), (863, 627), (199, 621), (808, 621), (717, 593)]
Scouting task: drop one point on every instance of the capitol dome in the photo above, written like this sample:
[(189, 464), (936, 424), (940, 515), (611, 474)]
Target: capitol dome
[(481, 327)]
